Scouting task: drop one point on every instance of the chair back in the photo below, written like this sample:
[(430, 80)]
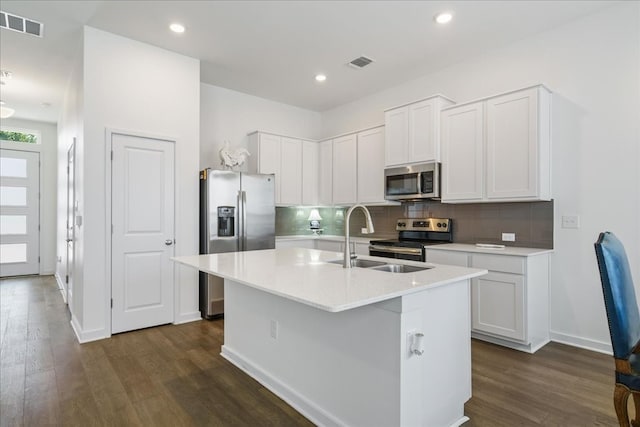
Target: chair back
[(619, 294)]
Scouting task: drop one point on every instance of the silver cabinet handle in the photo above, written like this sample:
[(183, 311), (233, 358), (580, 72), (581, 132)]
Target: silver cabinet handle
[(168, 242)]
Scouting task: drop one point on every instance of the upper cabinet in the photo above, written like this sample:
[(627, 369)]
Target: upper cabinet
[(371, 166), (498, 149), (310, 173), (281, 156), (345, 154), (325, 175), (413, 131)]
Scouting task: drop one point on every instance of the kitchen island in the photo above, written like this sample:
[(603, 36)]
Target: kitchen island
[(357, 346)]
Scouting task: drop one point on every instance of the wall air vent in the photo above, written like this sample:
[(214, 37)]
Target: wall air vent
[(361, 62), (20, 24)]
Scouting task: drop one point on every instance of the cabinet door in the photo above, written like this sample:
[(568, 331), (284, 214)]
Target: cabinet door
[(422, 143), (371, 166), (462, 153), (290, 171), (326, 173), (397, 136), (344, 169), (497, 305), (310, 172), (269, 161), (329, 245), (512, 145)]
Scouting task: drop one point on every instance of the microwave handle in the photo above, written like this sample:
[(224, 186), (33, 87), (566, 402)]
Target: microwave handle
[(419, 177)]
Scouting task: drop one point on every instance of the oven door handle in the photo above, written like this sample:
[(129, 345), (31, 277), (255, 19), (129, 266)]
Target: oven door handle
[(396, 250)]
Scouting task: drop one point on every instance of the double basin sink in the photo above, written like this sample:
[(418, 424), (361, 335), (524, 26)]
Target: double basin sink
[(381, 266)]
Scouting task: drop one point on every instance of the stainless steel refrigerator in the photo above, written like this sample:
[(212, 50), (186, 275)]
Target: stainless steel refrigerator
[(237, 213)]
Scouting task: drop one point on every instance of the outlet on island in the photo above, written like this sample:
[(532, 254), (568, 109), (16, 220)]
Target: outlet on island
[(508, 237)]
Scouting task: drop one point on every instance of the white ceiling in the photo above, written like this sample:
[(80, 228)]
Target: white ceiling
[(273, 49)]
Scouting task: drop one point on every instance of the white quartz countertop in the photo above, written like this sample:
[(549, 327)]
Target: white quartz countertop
[(507, 250), (303, 275), (458, 247), (329, 237)]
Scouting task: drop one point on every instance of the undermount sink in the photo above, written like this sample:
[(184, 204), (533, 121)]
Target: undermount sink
[(362, 263), (381, 266), (399, 268)]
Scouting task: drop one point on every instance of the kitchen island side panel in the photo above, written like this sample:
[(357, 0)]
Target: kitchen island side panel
[(354, 367)]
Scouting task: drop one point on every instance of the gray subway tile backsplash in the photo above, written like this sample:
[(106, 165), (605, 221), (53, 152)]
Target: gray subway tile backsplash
[(532, 222)]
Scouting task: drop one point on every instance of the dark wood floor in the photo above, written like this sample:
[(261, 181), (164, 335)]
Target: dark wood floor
[(173, 375)]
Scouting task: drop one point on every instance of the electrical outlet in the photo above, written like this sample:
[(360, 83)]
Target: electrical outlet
[(363, 230), (274, 329), (508, 237), (570, 221)]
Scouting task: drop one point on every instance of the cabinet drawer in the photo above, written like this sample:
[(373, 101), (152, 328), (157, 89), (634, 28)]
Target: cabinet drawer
[(506, 264), (448, 258)]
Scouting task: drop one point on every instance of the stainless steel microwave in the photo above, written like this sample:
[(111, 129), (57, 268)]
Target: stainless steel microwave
[(411, 182)]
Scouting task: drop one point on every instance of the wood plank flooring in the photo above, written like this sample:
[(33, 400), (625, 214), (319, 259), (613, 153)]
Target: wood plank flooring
[(174, 376)]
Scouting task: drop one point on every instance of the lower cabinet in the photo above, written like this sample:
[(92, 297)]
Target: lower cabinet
[(510, 304), (360, 248), (498, 305)]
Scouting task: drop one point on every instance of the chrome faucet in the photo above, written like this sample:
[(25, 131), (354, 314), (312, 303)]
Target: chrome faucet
[(347, 253)]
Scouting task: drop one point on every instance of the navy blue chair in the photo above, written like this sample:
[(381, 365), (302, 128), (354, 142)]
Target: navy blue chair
[(624, 323)]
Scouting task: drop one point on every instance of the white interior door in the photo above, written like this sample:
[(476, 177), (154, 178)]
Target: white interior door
[(19, 212), (142, 211)]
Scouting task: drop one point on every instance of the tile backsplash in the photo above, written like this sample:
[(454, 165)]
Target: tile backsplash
[(532, 222)]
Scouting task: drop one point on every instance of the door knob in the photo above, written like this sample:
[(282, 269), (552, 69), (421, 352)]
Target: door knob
[(168, 242)]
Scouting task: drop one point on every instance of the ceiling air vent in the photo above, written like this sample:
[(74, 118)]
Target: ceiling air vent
[(20, 24), (361, 62)]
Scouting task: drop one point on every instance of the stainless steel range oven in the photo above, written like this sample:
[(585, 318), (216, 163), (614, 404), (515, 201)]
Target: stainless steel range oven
[(414, 235)]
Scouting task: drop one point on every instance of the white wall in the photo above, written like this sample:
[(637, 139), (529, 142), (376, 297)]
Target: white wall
[(593, 67), (70, 127), (47, 149), (230, 115), (135, 87)]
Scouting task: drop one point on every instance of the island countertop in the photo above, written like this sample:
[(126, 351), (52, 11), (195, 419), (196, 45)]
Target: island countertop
[(306, 276)]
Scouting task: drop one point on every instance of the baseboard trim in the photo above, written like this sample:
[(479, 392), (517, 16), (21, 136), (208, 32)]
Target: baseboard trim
[(308, 409), (87, 336), (186, 318), (61, 287), (527, 348), (587, 344)]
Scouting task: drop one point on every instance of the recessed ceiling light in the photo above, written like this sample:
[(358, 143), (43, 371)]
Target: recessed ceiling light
[(177, 28), (320, 77), (443, 18)]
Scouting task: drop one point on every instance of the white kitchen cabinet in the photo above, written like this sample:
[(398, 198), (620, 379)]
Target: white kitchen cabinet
[(396, 123), (510, 304), (345, 154), (310, 173), (265, 157), (462, 154), (447, 257), (413, 131), (329, 245), (518, 145), (281, 156), (290, 171), (370, 166), (295, 243), (498, 149), (325, 176)]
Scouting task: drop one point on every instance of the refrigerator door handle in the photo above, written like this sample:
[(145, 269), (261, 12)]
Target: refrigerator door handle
[(244, 220)]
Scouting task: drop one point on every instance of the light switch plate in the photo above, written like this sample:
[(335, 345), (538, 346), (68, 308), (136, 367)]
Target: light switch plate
[(508, 237), (570, 221)]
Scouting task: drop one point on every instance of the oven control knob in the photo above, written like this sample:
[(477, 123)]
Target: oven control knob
[(401, 224), (439, 225)]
